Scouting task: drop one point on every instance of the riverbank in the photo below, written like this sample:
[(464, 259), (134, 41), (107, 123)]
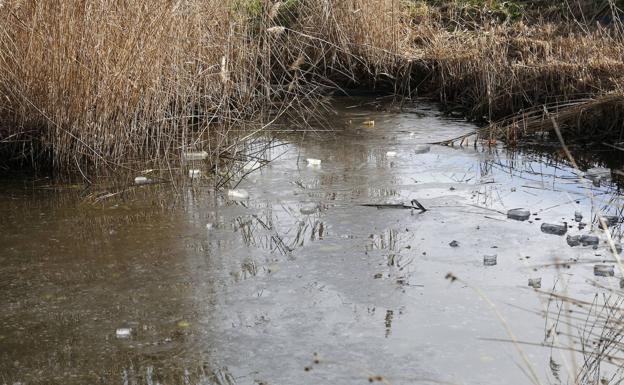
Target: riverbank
[(109, 85)]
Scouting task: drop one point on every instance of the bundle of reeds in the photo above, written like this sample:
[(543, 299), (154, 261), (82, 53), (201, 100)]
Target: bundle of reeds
[(106, 82)]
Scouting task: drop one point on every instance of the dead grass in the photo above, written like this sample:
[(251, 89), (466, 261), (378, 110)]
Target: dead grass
[(109, 83), (500, 72)]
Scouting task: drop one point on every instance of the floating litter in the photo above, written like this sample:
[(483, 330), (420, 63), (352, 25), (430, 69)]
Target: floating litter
[(578, 216), (123, 333), (589, 240), (573, 240), (518, 214), (313, 162), (195, 155), (598, 174), (422, 149), (604, 270), (490, 260), (368, 123), (535, 283), (252, 166), (309, 209), (553, 229), (194, 174), (391, 154), (141, 180), (609, 220), (208, 226), (238, 194)]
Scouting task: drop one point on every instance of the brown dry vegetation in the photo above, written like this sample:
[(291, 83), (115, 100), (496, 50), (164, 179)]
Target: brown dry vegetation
[(106, 83)]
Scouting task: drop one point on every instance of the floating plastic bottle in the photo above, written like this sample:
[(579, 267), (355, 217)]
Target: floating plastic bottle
[(309, 209), (554, 229), (194, 174), (423, 149), (238, 194), (141, 180), (391, 154), (604, 270), (189, 156), (535, 283), (518, 214), (368, 123), (123, 333), (313, 162), (490, 260)]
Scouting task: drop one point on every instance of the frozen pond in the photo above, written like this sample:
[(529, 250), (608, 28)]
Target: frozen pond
[(218, 291)]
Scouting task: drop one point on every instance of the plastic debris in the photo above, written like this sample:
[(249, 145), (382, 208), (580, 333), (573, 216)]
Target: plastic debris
[(535, 283), (454, 244), (391, 154), (194, 174), (238, 194), (414, 204), (309, 209), (573, 240), (578, 216), (490, 260), (604, 270), (542, 134), (209, 226), (422, 149), (609, 220), (553, 229), (141, 180), (621, 283), (252, 166), (123, 333), (368, 123), (519, 214), (598, 174), (313, 162), (195, 155), (589, 240)]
